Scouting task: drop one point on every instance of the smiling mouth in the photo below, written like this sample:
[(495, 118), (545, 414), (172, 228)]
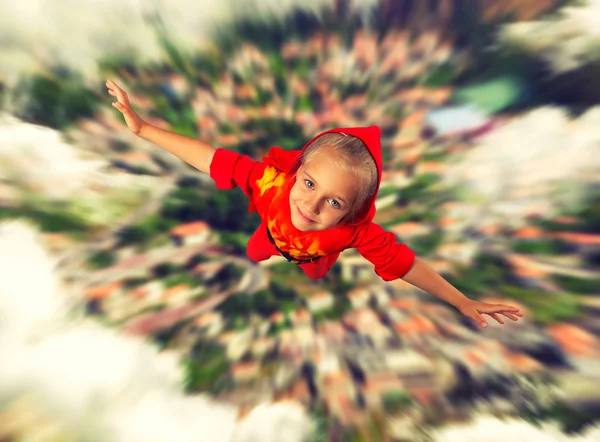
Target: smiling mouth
[(304, 218)]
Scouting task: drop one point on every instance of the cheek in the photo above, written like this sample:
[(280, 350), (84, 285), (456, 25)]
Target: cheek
[(296, 191), (332, 216), (339, 216)]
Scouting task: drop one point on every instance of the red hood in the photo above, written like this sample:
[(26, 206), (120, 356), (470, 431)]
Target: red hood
[(285, 160)]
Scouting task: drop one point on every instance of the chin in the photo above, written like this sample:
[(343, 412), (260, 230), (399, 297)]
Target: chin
[(302, 226)]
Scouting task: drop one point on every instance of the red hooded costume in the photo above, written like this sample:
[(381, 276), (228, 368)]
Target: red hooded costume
[(268, 184)]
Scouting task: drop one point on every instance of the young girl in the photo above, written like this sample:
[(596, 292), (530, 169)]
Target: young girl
[(314, 204)]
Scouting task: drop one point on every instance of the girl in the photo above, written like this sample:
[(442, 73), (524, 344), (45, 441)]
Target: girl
[(314, 204)]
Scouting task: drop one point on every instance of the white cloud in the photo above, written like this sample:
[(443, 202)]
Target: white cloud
[(492, 429), (286, 421), (40, 159), (37, 33), (102, 385), (567, 40), (532, 156), (37, 155)]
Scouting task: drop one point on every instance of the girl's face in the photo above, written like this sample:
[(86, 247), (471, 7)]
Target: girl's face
[(322, 195)]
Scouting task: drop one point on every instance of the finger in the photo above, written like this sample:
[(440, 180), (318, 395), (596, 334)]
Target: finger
[(122, 96), (111, 85), (511, 316), (497, 317), (508, 308), (112, 92), (479, 319), (119, 106), (499, 308), (120, 93), (504, 312)]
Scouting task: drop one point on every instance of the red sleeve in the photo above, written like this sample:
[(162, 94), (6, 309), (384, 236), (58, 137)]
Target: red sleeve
[(391, 259), (230, 169)]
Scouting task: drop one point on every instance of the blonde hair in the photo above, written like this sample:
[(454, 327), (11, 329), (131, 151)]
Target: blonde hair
[(351, 155)]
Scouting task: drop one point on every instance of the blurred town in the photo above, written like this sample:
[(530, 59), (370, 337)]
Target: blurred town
[(370, 360)]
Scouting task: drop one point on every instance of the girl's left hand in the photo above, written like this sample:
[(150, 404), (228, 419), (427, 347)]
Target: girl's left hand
[(476, 309)]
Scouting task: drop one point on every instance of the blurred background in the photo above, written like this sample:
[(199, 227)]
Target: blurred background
[(128, 309)]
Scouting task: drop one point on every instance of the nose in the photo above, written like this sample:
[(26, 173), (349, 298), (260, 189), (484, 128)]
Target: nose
[(312, 206)]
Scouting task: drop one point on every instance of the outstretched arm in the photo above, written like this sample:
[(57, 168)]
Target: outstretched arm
[(424, 277), (393, 260), (192, 151)]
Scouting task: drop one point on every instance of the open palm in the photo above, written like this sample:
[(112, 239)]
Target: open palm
[(476, 309), (133, 120)]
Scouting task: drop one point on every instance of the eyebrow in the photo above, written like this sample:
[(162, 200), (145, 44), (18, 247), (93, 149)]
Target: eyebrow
[(315, 181)]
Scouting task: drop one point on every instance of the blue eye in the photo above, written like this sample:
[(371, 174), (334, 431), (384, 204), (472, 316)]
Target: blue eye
[(335, 204), (309, 184)]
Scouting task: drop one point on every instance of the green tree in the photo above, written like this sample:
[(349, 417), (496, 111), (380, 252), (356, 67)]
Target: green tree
[(426, 244), (164, 336), (131, 283), (236, 305), (145, 230), (49, 219), (546, 308), (542, 247), (177, 279), (319, 419), (441, 75), (204, 349), (487, 271), (211, 63), (264, 303), (282, 292), (416, 190), (227, 276), (578, 285), (103, 259), (396, 401), (204, 375), (590, 215), (197, 259), (573, 420), (57, 99), (234, 242), (165, 269)]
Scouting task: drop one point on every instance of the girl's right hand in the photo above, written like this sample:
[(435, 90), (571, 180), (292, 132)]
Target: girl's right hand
[(133, 120)]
